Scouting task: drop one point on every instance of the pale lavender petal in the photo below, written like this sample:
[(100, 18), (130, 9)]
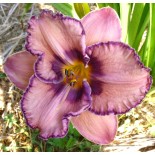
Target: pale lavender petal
[(119, 81), (49, 70), (19, 68), (49, 106), (98, 129), (36, 43), (101, 26), (63, 34), (51, 36)]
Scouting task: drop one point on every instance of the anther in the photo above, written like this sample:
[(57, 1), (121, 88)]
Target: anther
[(66, 72), (69, 73), (72, 73), (72, 82)]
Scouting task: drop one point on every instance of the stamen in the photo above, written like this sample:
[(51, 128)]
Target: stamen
[(72, 83), (66, 72), (69, 72), (74, 74)]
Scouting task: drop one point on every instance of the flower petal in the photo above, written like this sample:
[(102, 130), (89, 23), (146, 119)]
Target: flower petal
[(49, 106), (54, 36), (101, 26), (49, 71), (19, 68), (119, 80), (98, 129)]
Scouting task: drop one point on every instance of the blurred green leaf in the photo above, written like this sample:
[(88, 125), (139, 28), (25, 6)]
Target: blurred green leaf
[(125, 12), (71, 142), (66, 9), (35, 140), (116, 6), (151, 42), (148, 49), (11, 120), (144, 22), (81, 9), (58, 142), (2, 75), (27, 7), (143, 51), (101, 5), (73, 131), (133, 25)]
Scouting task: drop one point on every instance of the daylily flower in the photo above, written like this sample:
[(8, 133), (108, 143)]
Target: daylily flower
[(77, 71)]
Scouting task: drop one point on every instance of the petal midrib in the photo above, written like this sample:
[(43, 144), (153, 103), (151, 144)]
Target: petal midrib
[(105, 79)]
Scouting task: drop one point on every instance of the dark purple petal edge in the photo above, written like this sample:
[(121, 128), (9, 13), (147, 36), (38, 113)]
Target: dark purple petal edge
[(56, 15), (65, 120), (66, 117), (57, 79), (40, 53), (149, 78)]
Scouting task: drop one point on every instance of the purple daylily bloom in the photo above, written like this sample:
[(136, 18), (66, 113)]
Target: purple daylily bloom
[(79, 71)]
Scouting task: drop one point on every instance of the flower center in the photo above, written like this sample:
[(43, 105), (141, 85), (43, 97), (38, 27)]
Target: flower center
[(74, 74)]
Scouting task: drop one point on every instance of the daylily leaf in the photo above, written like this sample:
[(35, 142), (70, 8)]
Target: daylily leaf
[(116, 6), (81, 9), (144, 21), (151, 48), (144, 49), (65, 8), (134, 23), (101, 5), (148, 48), (125, 11)]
